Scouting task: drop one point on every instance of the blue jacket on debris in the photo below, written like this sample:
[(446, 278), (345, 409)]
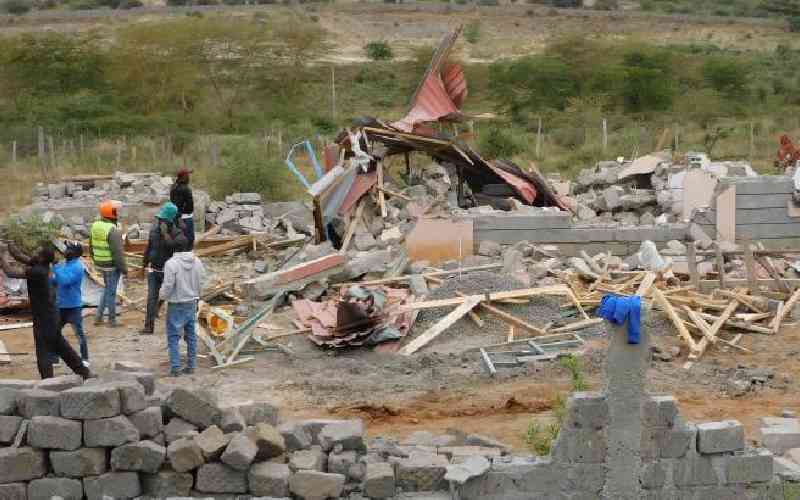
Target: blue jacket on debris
[(68, 277), (618, 310)]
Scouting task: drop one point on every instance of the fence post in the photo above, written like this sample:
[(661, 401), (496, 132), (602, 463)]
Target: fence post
[(752, 142), (14, 152), (539, 139), (605, 135), (52, 152), (119, 153)]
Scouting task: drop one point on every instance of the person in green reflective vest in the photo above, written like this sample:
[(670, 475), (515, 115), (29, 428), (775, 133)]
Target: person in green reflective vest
[(105, 240)]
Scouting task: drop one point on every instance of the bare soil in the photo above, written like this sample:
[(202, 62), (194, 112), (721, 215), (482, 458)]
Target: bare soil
[(440, 387)]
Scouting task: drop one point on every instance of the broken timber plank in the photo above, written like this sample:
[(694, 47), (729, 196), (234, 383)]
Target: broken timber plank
[(489, 297), (712, 332), (5, 358), (646, 284), (694, 278), (15, 326), (351, 229), (381, 196), (750, 266), (466, 305), (670, 311), (511, 319), (787, 308), (578, 325), (383, 281)]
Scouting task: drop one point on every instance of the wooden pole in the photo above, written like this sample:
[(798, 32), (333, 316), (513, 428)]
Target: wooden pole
[(14, 152), (750, 265), (52, 148), (605, 135), (539, 139), (752, 141), (333, 94)]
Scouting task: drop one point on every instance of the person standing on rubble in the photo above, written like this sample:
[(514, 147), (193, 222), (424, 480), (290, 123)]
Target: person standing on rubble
[(160, 248), (46, 336), (105, 241), (68, 277), (181, 195), (183, 283)]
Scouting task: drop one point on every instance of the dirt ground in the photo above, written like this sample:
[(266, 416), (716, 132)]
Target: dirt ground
[(439, 387)]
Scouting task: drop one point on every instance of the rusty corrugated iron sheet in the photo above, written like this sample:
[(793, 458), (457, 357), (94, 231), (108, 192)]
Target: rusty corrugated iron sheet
[(361, 185)]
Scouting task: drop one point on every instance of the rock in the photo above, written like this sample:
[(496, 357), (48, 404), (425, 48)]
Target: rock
[(340, 463), (166, 484), (486, 442), (8, 401), (647, 219), (117, 485), (269, 479), (393, 234), (144, 456), (14, 491), (472, 467), (62, 383), (311, 459), (149, 422), (295, 436), (79, 463), (9, 426), (489, 248), (37, 403), (55, 433), (243, 199), (113, 431), (55, 487), (367, 262), (379, 481), (240, 453), (269, 441), (311, 485), (185, 455), (232, 420), (364, 241), (422, 472), (349, 434), (219, 478), (21, 464), (90, 402), (212, 442), (131, 396), (197, 406), (611, 198), (677, 247), (177, 428)]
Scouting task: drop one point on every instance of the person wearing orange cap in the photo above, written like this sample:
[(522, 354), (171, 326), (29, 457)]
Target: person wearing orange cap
[(105, 241), (181, 195)]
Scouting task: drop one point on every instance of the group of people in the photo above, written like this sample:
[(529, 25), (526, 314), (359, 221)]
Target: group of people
[(174, 275)]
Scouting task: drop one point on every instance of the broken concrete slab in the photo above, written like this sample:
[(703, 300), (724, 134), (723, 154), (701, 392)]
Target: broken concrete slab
[(720, 437), (295, 278)]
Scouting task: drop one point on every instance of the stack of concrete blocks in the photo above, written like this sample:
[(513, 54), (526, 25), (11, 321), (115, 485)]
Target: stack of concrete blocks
[(74, 205), (761, 211), (781, 436), (678, 459), (558, 228), (244, 213)]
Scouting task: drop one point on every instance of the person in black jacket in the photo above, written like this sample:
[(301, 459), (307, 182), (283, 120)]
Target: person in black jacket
[(47, 336), (181, 195), (160, 247)]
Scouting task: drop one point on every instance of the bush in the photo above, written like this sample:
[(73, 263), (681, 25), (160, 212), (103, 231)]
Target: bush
[(16, 7), (794, 24), (379, 51), (607, 5), (489, 3), (472, 32), (499, 144), (28, 234), (130, 4), (246, 170)]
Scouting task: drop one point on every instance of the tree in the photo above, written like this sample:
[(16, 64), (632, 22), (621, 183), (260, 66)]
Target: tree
[(648, 84), (532, 84), (727, 76), (16, 7)]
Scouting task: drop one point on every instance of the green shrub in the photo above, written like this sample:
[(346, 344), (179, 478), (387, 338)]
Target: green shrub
[(28, 234), (472, 32), (379, 51), (794, 24), (246, 169), (489, 3), (498, 144), (15, 7)]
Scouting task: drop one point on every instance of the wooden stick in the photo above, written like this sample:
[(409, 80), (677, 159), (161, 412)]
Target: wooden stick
[(720, 266), (694, 278), (472, 315), (510, 337), (667, 307), (351, 228), (381, 197), (383, 281), (5, 357), (443, 324), (511, 319), (15, 326), (750, 266), (489, 297), (787, 308), (395, 194), (578, 325), (712, 332), (647, 282)]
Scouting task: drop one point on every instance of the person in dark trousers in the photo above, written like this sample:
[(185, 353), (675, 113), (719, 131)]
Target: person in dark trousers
[(68, 278), (160, 247), (183, 283), (108, 255), (181, 195), (46, 335)]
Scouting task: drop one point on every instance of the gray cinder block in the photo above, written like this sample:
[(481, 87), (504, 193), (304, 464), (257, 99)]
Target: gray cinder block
[(753, 467), (349, 434), (38, 403), (185, 455), (117, 485), (379, 481), (240, 453), (167, 484), (21, 464), (219, 478), (55, 433), (52, 487), (79, 463), (198, 406), (144, 456), (269, 479), (114, 431), (149, 422), (312, 485), (90, 402), (720, 437)]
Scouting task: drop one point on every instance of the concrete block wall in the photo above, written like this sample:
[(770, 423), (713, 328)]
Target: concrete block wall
[(679, 459), (559, 229), (761, 211)]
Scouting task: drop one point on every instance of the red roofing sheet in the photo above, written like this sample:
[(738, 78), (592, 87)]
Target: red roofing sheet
[(361, 185), (439, 96)]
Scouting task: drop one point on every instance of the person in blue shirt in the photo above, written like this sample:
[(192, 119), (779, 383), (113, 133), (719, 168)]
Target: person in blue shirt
[(68, 277)]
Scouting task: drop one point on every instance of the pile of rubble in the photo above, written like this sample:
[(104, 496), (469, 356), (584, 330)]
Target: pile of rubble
[(72, 203), (644, 191)]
